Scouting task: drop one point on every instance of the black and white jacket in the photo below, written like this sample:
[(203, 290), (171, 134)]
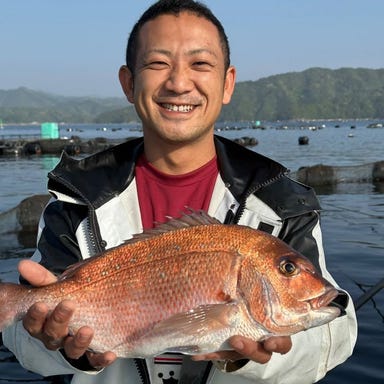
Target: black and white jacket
[(95, 207)]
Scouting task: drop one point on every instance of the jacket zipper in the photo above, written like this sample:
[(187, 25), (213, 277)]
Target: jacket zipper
[(142, 369), (234, 217)]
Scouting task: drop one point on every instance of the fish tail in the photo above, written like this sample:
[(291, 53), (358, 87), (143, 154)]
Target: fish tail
[(10, 297)]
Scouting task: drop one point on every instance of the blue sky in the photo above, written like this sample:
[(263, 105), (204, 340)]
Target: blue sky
[(75, 47)]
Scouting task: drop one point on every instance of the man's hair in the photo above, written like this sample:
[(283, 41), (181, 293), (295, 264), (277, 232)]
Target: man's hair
[(174, 7)]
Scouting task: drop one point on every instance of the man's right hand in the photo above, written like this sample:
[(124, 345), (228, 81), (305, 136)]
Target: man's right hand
[(52, 327)]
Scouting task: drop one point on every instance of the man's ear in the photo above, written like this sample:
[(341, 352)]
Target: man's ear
[(229, 84), (126, 81)]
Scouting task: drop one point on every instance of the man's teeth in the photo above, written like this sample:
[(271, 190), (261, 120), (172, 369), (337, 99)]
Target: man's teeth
[(178, 108)]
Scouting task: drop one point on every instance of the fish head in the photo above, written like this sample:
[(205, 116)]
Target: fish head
[(284, 291)]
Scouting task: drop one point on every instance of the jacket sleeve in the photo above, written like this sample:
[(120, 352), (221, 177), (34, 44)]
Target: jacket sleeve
[(33, 356), (317, 350), (57, 242)]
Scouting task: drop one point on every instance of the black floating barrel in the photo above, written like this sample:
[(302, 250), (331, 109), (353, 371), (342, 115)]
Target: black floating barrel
[(303, 140)]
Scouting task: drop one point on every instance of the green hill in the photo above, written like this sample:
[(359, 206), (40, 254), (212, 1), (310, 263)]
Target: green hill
[(315, 93), (312, 94), (23, 105)]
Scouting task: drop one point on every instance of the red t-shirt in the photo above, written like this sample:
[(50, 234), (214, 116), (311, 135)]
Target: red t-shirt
[(162, 195)]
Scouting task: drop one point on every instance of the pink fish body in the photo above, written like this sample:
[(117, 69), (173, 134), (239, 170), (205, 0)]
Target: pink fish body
[(186, 286)]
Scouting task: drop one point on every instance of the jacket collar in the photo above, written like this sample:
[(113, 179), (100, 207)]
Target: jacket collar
[(244, 171), (99, 177)]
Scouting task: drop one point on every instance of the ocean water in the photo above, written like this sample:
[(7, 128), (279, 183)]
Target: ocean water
[(352, 218)]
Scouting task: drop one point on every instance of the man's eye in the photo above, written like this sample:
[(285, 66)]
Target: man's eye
[(156, 65), (202, 65)]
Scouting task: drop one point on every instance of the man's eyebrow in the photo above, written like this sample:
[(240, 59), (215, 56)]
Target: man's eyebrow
[(157, 50), (191, 52), (201, 50)]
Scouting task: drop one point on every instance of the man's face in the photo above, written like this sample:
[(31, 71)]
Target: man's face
[(180, 83)]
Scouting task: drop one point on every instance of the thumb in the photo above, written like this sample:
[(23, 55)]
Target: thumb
[(35, 273)]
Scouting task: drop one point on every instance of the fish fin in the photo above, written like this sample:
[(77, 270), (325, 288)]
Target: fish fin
[(198, 322), (195, 349), (191, 218), (185, 349)]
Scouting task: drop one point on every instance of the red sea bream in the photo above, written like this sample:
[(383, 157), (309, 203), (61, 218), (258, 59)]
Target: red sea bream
[(186, 286)]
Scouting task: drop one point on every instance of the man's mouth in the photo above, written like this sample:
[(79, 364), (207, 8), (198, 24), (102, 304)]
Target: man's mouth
[(178, 108)]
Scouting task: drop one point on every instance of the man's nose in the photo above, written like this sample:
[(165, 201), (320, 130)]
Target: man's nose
[(179, 80)]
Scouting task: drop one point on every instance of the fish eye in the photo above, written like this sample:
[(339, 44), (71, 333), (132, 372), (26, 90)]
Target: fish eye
[(288, 268)]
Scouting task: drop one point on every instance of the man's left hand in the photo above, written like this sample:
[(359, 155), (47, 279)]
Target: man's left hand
[(244, 348)]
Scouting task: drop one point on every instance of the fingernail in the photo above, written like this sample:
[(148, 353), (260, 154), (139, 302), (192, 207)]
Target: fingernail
[(55, 342), (271, 346), (238, 345), (107, 362), (83, 338), (197, 358), (38, 309)]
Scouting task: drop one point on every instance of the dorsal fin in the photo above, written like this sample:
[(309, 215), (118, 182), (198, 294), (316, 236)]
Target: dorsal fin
[(191, 218)]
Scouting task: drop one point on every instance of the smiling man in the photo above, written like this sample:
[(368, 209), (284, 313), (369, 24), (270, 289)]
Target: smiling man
[(178, 76), (178, 82)]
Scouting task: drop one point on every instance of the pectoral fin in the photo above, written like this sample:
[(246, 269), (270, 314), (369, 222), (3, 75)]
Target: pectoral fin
[(191, 330)]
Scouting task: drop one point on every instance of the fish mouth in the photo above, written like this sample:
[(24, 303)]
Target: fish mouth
[(324, 300)]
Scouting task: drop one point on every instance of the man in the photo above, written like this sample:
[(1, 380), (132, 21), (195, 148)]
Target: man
[(178, 75)]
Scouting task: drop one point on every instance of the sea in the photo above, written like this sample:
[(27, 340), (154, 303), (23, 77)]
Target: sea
[(352, 216)]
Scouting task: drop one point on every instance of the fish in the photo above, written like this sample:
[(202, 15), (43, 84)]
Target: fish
[(185, 286)]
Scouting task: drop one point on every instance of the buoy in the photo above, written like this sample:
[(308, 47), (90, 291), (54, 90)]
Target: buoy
[(303, 140), (32, 149), (72, 149)]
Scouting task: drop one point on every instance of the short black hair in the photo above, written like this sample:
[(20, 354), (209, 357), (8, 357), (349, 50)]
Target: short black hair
[(174, 7)]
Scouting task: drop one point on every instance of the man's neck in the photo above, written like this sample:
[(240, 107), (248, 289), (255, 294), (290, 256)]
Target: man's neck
[(179, 158)]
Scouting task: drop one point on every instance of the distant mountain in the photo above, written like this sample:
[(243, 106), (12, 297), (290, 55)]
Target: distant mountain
[(315, 93), (24, 97), (23, 105)]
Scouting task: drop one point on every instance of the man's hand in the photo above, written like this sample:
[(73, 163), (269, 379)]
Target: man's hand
[(244, 348), (51, 327)]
